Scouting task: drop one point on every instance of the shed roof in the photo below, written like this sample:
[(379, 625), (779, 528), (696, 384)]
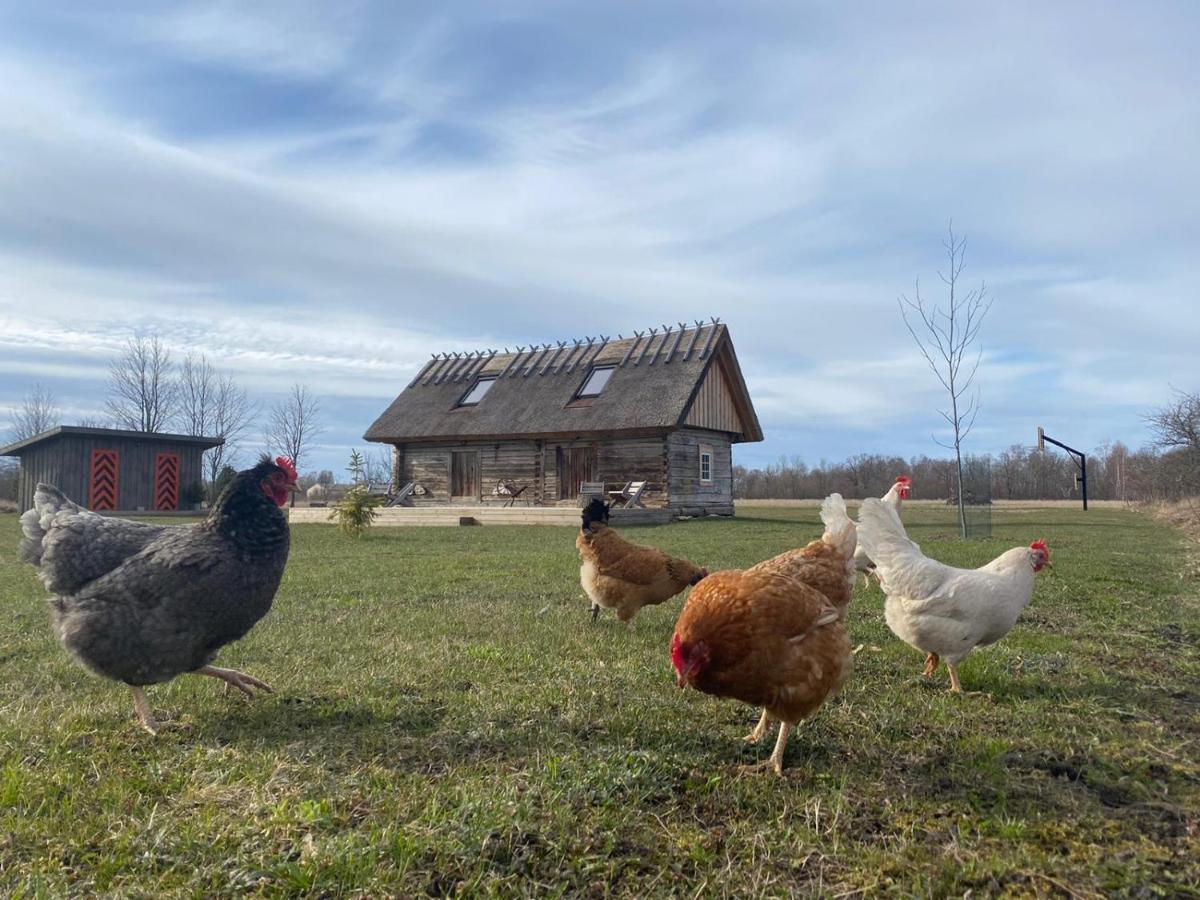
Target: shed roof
[(655, 378), (205, 443)]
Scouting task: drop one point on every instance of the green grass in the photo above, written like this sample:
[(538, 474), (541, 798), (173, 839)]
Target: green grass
[(446, 720)]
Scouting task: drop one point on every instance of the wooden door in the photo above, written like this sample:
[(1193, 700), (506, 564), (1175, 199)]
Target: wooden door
[(575, 466), (166, 482), (464, 475), (102, 491)]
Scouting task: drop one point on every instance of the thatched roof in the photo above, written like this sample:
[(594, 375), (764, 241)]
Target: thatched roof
[(656, 377)]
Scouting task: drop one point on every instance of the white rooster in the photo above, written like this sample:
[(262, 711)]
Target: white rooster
[(895, 496), (943, 611)]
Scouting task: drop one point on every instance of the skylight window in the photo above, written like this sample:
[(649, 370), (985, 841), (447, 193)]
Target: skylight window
[(477, 392), (596, 381)]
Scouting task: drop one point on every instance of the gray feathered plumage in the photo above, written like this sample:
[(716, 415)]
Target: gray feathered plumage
[(142, 603)]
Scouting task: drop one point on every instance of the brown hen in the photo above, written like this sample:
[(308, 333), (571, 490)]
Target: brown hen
[(616, 574), (774, 635)]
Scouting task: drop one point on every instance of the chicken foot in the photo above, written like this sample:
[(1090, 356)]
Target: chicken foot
[(595, 612), (142, 708), (931, 664), (759, 730), (240, 680), (775, 761), (956, 686)]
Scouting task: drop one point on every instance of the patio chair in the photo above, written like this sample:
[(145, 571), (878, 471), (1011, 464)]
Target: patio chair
[(400, 498), (633, 494), (590, 489)]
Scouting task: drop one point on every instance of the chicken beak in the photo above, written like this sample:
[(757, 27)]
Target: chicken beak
[(679, 680), (293, 488)]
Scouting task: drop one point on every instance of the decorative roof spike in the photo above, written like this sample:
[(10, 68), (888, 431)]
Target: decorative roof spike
[(439, 359), (649, 343), (663, 343), (712, 333), (576, 360), (675, 346), (599, 350), (509, 365), (421, 372), (692, 342), (453, 370), (628, 353), (550, 365), (534, 363)]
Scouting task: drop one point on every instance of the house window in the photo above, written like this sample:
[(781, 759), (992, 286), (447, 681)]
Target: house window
[(595, 382), (477, 392), (706, 464)]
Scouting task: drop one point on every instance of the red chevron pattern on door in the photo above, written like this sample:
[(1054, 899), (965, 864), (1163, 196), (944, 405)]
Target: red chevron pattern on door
[(103, 491), (166, 481)]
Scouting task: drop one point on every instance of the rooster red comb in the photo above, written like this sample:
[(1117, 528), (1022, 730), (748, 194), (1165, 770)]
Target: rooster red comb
[(1040, 545), (903, 479), (288, 466)]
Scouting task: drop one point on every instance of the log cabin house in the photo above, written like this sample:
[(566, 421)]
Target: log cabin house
[(663, 407), (112, 470)]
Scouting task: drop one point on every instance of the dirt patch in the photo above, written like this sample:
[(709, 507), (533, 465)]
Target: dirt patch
[(1075, 770)]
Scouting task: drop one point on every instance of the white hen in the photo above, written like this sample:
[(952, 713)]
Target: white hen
[(943, 611), (895, 496)]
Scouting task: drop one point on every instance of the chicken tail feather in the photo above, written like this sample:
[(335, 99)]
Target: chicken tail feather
[(839, 528), (35, 523)]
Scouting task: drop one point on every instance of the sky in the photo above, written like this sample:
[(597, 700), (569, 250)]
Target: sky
[(328, 193)]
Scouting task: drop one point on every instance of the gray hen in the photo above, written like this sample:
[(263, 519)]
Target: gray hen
[(143, 603)]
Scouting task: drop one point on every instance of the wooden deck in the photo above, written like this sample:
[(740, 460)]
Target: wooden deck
[(417, 516)]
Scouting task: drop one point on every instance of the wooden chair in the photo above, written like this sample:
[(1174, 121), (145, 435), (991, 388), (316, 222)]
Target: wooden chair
[(511, 491), (590, 489), (400, 498), (632, 494)]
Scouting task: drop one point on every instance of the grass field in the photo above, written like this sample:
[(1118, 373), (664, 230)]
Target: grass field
[(447, 721)]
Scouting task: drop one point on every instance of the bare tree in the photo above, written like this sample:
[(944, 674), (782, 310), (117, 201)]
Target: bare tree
[(377, 466), (142, 391), (945, 340), (292, 425), (1176, 429), (212, 405), (1176, 426), (38, 412)]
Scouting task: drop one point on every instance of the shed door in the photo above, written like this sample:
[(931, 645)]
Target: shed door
[(575, 466), (102, 490), (464, 474), (166, 481)]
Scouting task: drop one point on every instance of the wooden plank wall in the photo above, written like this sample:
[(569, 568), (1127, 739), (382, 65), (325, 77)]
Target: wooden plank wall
[(713, 406), (65, 462), (688, 495), (533, 462), (429, 466)]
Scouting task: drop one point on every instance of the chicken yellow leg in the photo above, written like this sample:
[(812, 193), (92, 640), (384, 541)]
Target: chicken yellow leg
[(931, 664), (775, 761), (240, 680), (759, 730)]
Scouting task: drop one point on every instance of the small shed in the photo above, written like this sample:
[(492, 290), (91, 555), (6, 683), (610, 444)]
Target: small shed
[(662, 407), (107, 469)]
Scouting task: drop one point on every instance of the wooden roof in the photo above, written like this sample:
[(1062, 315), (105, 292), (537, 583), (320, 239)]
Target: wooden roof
[(656, 378), (205, 443)]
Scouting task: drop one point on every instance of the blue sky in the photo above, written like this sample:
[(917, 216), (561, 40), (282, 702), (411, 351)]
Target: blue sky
[(328, 193)]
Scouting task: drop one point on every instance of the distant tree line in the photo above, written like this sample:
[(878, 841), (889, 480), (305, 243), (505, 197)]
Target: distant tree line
[(1167, 469)]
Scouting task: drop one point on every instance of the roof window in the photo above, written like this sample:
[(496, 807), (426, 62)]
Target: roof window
[(594, 384), (478, 391)]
